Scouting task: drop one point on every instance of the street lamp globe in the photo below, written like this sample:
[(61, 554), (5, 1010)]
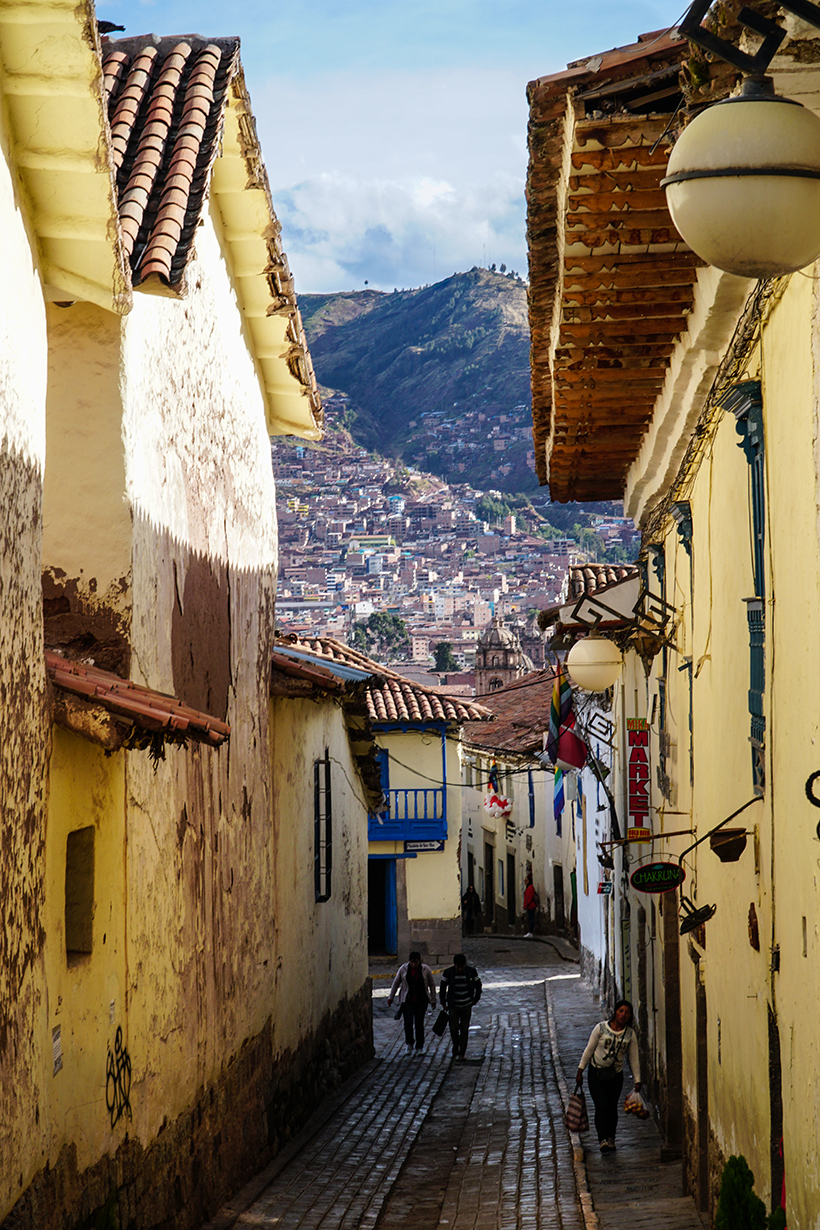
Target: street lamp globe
[(743, 183), (594, 663)]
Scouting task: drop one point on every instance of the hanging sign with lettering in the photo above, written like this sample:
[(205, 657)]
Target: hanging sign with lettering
[(657, 877), (637, 733)]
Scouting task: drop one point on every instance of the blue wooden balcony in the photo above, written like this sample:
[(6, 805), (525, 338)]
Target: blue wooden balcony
[(413, 815)]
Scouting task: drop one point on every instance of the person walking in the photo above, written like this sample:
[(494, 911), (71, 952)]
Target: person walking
[(609, 1044), (471, 908), (531, 904), (460, 989), (416, 988)]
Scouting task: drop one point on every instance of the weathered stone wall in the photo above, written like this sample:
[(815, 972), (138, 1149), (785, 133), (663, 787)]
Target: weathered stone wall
[(24, 732), (232, 1129), (437, 939)]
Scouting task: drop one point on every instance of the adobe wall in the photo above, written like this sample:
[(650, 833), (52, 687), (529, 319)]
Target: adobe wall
[(24, 731), (232, 1129)]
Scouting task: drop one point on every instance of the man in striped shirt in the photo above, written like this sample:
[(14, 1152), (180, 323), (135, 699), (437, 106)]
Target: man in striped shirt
[(460, 989)]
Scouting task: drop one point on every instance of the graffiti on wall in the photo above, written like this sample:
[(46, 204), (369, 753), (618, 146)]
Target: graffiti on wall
[(118, 1081)]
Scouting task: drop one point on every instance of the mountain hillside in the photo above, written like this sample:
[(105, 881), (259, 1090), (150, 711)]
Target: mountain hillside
[(438, 376)]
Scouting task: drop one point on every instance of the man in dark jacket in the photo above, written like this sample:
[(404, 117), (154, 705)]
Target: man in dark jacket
[(460, 989)]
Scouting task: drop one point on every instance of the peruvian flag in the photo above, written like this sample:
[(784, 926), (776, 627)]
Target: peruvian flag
[(564, 748)]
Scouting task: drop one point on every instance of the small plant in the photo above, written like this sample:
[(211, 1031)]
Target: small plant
[(738, 1206)]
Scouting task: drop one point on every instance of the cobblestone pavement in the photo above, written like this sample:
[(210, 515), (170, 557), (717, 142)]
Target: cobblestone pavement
[(423, 1142)]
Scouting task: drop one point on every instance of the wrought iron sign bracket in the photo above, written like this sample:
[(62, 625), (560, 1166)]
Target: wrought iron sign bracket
[(772, 34)]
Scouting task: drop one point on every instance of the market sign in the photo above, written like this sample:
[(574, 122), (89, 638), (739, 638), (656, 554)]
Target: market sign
[(657, 877), (637, 734)]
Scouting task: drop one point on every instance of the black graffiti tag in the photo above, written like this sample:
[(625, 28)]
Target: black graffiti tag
[(118, 1081)]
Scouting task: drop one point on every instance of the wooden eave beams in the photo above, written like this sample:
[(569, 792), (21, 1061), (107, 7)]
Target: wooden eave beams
[(263, 281), (54, 110), (611, 286)]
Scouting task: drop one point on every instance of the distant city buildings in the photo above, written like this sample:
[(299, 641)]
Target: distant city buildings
[(350, 545)]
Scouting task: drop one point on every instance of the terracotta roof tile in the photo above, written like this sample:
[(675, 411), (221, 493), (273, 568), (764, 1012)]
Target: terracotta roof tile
[(173, 105), (592, 578), (141, 706), (522, 711), (390, 697), (166, 103)]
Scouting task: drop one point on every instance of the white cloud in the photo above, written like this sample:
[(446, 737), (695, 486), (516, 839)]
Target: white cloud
[(397, 178)]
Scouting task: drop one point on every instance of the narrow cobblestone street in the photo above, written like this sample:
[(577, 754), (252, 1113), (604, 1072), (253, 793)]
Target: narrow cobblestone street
[(419, 1141)]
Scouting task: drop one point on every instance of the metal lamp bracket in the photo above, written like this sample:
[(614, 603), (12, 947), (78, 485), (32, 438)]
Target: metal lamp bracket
[(771, 33)]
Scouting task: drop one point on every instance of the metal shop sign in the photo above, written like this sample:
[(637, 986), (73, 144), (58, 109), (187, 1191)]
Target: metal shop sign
[(422, 847), (657, 877), (637, 734)]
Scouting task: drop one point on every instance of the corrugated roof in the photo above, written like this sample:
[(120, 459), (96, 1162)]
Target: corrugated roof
[(388, 696), (611, 280), (140, 706)]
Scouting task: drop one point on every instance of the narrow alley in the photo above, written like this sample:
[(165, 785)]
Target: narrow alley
[(421, 1142)]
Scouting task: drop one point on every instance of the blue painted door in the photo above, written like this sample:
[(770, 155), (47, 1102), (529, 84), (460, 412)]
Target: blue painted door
[(391, 936)]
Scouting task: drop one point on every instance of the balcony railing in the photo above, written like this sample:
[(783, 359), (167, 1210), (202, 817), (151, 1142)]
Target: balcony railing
[(413, 815)]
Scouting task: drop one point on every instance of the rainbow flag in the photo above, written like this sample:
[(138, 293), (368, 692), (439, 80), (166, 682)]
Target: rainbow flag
[(558, 799), (564, 748)]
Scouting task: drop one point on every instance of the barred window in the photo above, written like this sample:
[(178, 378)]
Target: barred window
[(322, 827)]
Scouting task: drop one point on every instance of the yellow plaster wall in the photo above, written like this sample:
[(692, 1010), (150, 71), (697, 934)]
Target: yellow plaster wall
[(87, 999), (791, 402), (432, 879), (321, 947), (777, 873)]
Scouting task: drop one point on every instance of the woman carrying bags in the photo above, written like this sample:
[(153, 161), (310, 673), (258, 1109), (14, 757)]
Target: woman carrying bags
[(609, 1044)]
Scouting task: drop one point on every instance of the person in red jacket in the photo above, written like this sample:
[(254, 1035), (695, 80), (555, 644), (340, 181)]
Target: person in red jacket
[(531, 904)]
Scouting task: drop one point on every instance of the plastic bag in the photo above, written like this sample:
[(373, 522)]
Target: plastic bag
[(635, 1104)]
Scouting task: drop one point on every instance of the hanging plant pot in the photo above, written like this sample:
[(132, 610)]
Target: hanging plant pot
[(728, 844)]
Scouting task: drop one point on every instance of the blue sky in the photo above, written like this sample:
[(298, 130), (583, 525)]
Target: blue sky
[(394, 131)]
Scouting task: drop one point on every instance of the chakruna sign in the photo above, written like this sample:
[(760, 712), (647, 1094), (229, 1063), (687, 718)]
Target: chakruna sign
[(657, 877)]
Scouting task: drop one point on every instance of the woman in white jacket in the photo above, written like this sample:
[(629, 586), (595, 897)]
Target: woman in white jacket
[(609, 1044), (417, 991)]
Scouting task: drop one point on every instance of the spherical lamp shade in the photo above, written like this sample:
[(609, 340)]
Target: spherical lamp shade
[(743, 185), (594, 664)]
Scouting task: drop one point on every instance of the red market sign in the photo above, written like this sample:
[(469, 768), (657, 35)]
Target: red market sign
[(637, 733), (657, 877)]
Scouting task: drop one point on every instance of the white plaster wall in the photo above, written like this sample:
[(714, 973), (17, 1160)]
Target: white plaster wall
[(201, 927), (22, 330), (198, 453)]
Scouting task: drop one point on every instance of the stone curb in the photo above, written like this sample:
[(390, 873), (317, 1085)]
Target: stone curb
[(591, 1220)]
